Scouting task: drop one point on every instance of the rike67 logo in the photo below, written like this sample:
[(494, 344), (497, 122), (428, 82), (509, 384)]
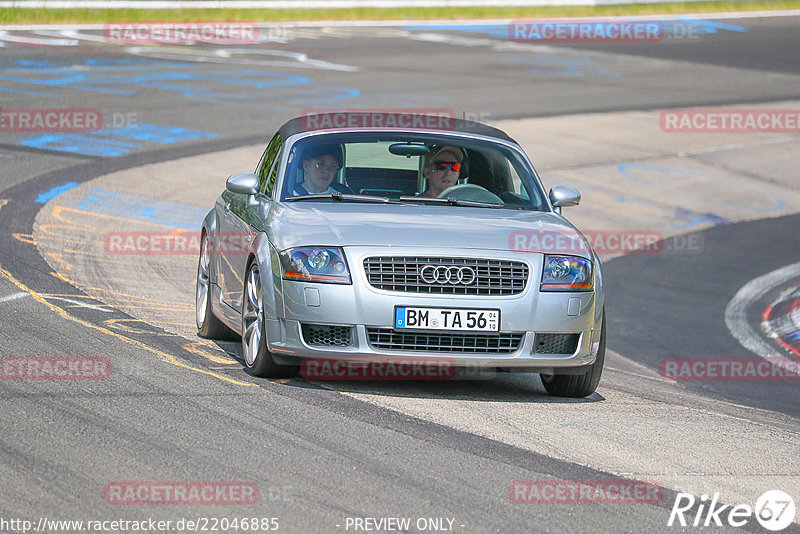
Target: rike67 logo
[(774, 510)]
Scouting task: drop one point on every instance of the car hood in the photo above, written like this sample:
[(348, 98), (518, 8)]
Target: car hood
[(348, 224)]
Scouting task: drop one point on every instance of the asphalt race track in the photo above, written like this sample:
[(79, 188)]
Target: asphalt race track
[(175, 121)]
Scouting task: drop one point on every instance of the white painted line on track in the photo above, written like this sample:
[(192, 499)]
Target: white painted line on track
[(22, 294), (736, 313), (72, 34), (79, 303), (15, 296), (640, 375), (36, 41), (300, 58), (257, 56)]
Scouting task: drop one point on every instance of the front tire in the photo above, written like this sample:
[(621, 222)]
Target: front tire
[(254, 340), (581, 385), (208, 325)]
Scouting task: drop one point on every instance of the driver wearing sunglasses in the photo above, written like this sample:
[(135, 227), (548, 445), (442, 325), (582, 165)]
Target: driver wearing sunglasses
[(441, 170)]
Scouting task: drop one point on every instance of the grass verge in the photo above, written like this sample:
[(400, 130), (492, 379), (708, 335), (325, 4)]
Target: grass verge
[(75, 16)]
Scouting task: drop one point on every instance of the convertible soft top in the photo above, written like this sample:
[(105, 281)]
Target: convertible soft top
[(435, 120)]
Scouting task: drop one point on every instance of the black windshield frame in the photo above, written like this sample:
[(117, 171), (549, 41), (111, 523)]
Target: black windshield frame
[(498, 152)]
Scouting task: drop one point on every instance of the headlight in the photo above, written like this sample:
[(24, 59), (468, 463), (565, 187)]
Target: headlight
[(567, 273), (315, 264)]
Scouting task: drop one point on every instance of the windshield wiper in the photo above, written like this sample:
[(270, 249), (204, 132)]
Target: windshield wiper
[(452, 202), (342, 197)]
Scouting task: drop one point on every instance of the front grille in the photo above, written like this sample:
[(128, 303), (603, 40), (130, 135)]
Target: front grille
[(493, 277), (327, 336), (387, 338), (556, 343)]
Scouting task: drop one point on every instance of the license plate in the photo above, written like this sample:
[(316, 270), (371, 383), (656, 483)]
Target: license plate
[(447, 319)]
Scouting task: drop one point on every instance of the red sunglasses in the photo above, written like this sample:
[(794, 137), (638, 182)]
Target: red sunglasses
[(442, 165)]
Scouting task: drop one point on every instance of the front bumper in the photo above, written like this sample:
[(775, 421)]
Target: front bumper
[(362, 311), (294, 349)]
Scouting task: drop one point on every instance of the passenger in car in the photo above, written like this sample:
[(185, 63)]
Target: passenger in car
[(441, 170), (320, 165)]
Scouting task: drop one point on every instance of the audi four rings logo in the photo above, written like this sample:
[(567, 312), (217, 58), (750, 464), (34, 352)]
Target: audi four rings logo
[(447, 274)]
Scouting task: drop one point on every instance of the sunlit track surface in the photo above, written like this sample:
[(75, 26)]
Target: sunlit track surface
[(178, 120)]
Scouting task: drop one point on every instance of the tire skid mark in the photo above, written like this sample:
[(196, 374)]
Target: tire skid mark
[(63, 277), (124, 325), (104, 299), (57, 213), (151, 305), (58, 258), (200, 350)]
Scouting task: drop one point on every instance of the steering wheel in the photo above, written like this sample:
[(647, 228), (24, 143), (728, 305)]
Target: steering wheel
[(471, 192)]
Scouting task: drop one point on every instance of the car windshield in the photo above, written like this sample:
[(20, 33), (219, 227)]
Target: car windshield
[(418, 169)]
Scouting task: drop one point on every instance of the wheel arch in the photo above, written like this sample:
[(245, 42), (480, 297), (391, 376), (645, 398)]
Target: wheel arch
[(210, 225), (599, 292), (269, 268)]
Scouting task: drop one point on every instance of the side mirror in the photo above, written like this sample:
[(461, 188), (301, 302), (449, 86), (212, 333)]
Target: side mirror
[(244, 183), (561, 195)]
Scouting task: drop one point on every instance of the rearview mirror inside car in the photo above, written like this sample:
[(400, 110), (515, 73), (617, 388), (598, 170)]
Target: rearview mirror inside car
[(408, 149)]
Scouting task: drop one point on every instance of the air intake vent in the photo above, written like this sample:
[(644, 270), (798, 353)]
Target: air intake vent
[(556, 343), (387, 338), (320, 335)]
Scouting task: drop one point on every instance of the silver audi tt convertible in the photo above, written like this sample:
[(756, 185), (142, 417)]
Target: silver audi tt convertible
[(390, 237)]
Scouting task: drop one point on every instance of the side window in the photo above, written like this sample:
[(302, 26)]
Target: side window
[(272, 176), (268, 170)]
